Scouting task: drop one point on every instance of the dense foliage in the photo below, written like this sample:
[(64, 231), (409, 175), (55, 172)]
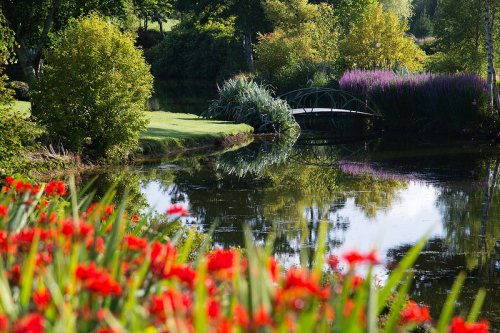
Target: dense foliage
[(16, 131), (198, 50), (380, 41), (245, 101), (422, 102), (93, 93), (304, 41), (72, 265)]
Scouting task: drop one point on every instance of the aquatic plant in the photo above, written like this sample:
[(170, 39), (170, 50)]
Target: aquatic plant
[(71, 265), (424, 102), (245, 101)]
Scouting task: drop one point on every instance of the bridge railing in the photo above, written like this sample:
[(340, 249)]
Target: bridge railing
[(311, 98)]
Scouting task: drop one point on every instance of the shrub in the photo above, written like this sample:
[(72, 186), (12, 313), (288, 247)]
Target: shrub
[(305, 41), (94, 89), (74, 266), (196, 50), (380, 41), (424, 102), (245, 101), (16, 132), (21, 90)]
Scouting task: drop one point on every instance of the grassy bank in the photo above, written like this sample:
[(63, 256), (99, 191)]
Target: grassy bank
[(23, 107), (173, 131)]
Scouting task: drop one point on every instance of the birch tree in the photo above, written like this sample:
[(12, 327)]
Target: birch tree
[(489, 24)]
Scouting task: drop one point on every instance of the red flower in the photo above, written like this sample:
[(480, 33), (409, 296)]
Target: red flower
[(213, 309), (262, 318), (4, 212), (354, 257), (9, 181), (21, 186), (135, 243), (221, 260), (4, 323), (51, 219), (414, 314), (55, 187), (458, 325), (333, 262), (162, 258), (171, 301), (184, 273), (135, 218), (31, 323), (41, 297), (298, 278), (241, 315), (97, 280), (274, 269), (177, 210)]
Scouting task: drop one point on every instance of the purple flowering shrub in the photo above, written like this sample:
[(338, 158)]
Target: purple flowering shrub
[(424, 102)]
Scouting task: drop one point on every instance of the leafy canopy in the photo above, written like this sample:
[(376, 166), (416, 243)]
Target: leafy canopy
[(305, 35), (379, 41), (94, 89)]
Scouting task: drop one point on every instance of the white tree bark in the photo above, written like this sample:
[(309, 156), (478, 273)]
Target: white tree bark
[(491, 81)]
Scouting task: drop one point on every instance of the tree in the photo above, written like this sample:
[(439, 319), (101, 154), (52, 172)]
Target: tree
[(156, 10), (32, 21), (459, 30), (402, 8), (491, 76), (380, 41), (349, 12), (248, 15), (15, 130), (305, 36), (94, 89)]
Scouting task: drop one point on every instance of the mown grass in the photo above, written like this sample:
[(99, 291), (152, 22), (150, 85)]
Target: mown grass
[(22, 107), (168, 130)]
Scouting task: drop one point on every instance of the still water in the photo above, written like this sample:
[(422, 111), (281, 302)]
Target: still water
[(383, 194)]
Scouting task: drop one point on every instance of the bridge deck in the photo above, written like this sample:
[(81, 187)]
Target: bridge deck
[(305, 111)]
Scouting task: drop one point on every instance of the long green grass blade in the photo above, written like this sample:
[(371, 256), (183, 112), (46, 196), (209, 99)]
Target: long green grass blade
[(398, 274), (28, 273), (477, 306), (449, 305)]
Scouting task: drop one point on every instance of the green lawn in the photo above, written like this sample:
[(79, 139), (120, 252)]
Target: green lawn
[(175, 129), (22, 107), (168, 130)]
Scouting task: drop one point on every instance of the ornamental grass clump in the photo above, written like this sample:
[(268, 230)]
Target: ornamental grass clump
[(69, 264), (421, 102), (245, 101)]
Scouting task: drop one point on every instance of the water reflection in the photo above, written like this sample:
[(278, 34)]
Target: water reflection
[(371, 193)]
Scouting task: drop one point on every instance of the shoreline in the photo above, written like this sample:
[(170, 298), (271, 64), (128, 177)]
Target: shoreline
[(45, 165)]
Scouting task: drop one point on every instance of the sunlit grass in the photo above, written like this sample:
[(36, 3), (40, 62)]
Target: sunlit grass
[(22, 107), (184, 126)]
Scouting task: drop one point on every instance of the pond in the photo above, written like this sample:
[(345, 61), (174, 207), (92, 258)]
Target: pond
[(376, 193)]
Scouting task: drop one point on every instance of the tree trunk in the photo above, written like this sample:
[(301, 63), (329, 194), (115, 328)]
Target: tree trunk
[(25, 60), (489, 18), (248, 48), (31, 61), (489, 188)]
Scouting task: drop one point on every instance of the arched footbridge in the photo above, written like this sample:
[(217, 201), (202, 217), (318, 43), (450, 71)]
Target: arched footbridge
[(326, 102)]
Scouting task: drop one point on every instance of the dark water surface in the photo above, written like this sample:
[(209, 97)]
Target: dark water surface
[(384, 194)]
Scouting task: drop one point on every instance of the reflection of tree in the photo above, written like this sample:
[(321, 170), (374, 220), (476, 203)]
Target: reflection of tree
[(374, 194), (125, 182), (466, 215), (281, 189), (255, 159)]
